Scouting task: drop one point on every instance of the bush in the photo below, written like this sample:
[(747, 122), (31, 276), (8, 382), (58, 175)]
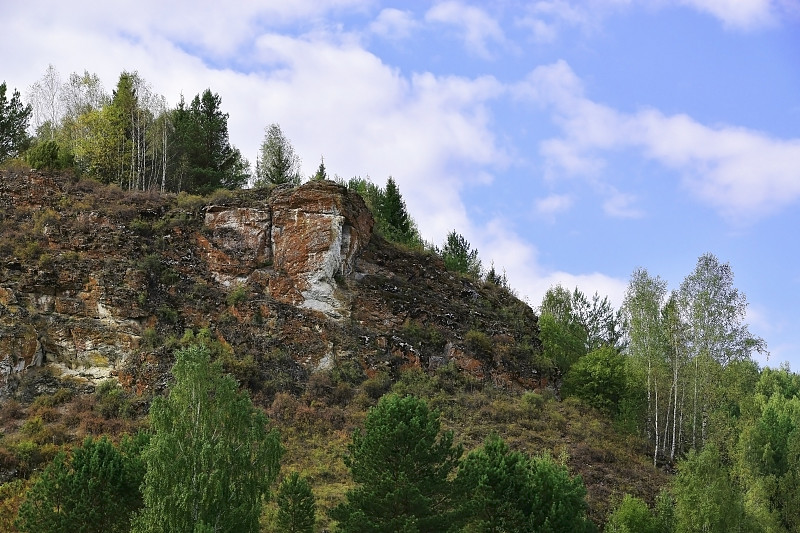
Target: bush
[(480, 344)]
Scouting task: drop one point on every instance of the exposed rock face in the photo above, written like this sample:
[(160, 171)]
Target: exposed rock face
[(96, 282), (317, 234)]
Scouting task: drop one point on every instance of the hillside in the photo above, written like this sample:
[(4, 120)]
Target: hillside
[(306, 306)]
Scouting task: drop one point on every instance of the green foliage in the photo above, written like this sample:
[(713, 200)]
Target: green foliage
[(96, 489), (401, 463), (14, 118), (297, 507), (277, 161), (320, 174), (480, 344), (49, 155), (111, 400), (459, 256), (211, 457), (633, 516), (203, 156), (706, 499), (559, 501), (237, 295), (599, 379), (392, 219), (770, 450), (495, 488)]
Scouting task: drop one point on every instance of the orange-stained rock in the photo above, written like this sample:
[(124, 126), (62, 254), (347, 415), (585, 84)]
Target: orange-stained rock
[(318, 230)]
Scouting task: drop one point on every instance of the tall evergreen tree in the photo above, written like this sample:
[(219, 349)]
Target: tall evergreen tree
[(211, 458), (14, 118), (277, 161), (296, 505), (402, 465), (202, 157)]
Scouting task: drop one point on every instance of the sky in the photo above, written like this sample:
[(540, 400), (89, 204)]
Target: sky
[(569, 141)]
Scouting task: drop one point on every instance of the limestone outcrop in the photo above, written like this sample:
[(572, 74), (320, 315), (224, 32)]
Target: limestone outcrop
[(99, 283)]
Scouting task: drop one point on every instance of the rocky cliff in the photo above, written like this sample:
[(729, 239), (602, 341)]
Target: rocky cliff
[(98, 283)]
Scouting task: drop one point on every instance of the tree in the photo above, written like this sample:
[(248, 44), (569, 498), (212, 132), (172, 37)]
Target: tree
[(459, 256), (564, 338), (47, 104), (401, 463), (706, 499), (632, 516), (14, 117), (203, 159), (211, 457), (599, 379), (394, 221), (494, 485), (713, 311), (320, 174), (94, 490), (296, 506), (559, 500), (277, 161), (648, 348)]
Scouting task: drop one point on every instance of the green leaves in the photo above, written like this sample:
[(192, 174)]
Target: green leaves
[(96, 489), (14, 117), (211, 458), (402, 465)]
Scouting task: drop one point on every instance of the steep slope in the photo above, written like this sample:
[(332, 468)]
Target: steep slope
[(95, 281), (306, 306)]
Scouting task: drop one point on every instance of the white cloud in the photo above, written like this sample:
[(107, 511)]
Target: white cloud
[(394, 24), (737, 14), (549, 206), (621, 205), (519, 259), (477, 27), (744, 174)]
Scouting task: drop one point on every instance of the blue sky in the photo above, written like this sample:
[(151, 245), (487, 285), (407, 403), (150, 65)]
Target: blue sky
[(569, 142)]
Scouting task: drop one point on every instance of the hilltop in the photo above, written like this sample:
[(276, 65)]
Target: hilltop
[(312, 311)]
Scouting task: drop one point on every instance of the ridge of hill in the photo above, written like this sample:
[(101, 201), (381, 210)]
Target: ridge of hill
[(306, 306)]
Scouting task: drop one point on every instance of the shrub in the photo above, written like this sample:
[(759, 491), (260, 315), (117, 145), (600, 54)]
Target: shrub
[(237, 295)]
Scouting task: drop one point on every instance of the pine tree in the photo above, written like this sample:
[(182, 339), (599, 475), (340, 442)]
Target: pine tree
[(277, 161), (14, 118), (402, 464), (296, 505), (94, 490)]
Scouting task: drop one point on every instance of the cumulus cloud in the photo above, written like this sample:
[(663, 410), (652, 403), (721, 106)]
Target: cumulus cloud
[(549, 206), (744, 174), (394, 24), (477, 28), (519, 259)]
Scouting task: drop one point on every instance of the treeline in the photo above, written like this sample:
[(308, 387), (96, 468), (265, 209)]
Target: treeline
[(132, 138)]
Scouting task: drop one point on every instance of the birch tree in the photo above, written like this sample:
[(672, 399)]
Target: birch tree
[(642, 306), (714, 312), (211, 458)]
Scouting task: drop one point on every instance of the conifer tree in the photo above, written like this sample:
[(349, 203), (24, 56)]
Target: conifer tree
[(402, 465), (296, 505), (94, 490), (14, 117), (277, 161)]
